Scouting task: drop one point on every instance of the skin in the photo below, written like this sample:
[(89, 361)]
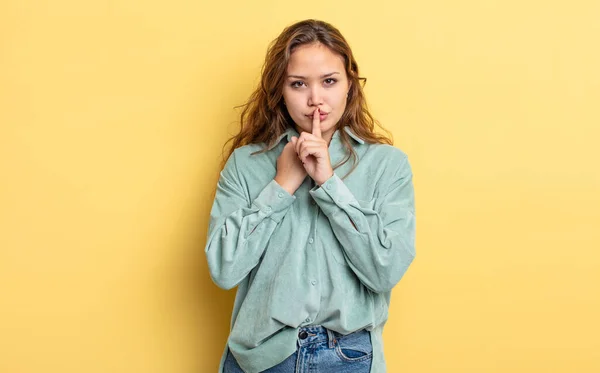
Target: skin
[(316, 84)]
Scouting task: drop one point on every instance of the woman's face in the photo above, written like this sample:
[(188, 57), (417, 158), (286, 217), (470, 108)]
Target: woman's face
[(316, 77)]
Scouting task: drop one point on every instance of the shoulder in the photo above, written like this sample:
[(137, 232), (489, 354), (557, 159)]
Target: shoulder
[(245, 153), (254, 154), (386, 156), (388, 151), (251, 165)]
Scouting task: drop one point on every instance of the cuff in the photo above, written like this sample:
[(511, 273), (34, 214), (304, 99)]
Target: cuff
[(274, 201), (333, 195)]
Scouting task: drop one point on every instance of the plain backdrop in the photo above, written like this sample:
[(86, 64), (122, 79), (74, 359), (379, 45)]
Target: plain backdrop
[(112, 118)]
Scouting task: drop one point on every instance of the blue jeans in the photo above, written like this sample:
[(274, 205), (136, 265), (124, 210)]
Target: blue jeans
[(321, 351)]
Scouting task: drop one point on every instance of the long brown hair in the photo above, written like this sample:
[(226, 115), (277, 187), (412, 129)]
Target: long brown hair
[(264, 116)]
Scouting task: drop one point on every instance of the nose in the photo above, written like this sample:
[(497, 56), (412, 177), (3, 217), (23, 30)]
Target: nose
[(316, 96)]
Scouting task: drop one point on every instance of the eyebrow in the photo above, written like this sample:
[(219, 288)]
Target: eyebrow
[(322, 76)]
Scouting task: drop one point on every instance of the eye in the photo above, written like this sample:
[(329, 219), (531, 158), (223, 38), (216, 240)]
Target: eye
[(330, 81), (296, 84)]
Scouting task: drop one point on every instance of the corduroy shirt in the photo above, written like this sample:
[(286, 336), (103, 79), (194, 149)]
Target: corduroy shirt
[(327, 255)]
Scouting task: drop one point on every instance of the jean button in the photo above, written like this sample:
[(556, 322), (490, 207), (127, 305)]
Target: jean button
[(303, 335)]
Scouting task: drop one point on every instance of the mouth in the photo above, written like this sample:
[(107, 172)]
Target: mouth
[(322, 116)]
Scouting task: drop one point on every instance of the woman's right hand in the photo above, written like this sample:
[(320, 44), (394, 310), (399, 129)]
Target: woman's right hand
[(290, 171)]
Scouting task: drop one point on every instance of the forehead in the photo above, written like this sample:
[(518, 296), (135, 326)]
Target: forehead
[(314, 59)]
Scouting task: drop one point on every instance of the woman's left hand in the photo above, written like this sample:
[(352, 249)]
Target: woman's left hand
[(313, 151)]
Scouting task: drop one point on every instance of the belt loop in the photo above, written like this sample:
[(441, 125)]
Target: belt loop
[(330, 338)]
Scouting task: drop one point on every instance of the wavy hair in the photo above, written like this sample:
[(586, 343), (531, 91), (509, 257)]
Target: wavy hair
[(264, 116)]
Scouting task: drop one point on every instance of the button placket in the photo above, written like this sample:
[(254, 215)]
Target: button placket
[(310, 277)]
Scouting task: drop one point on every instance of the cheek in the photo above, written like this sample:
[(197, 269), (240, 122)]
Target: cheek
[(294, 110), (339, 96), (292, 102), (340, 102)]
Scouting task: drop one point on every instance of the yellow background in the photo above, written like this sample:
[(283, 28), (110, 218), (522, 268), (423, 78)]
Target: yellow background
[(112, 119)]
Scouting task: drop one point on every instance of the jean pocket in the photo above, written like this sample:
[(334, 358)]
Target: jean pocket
[(355, 347)]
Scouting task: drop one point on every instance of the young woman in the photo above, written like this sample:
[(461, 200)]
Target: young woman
[(313, 218)]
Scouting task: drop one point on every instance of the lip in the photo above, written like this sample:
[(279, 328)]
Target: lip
[(322, 116)]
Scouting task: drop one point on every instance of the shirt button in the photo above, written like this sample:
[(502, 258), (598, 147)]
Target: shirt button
[(328, 187), (268, 209), (310, 240), (307, 319), (280, 195), (314, 282), (303, 335)]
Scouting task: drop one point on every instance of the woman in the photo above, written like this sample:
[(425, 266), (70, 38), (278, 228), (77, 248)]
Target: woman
[(313, 218)]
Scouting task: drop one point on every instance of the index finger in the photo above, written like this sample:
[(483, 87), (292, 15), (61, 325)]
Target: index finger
[(316, 128)]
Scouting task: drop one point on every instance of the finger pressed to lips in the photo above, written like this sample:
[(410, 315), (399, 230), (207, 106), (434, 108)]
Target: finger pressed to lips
[(311, 139), (311, 116), (316, 129)]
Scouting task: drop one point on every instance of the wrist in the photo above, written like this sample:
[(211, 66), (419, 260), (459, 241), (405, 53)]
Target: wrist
[(286, 187), (321, 182)]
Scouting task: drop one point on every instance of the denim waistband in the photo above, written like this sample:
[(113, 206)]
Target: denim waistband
[(316, 334)]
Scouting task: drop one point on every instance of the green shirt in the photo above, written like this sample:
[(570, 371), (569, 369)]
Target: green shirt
[(327, 255)]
